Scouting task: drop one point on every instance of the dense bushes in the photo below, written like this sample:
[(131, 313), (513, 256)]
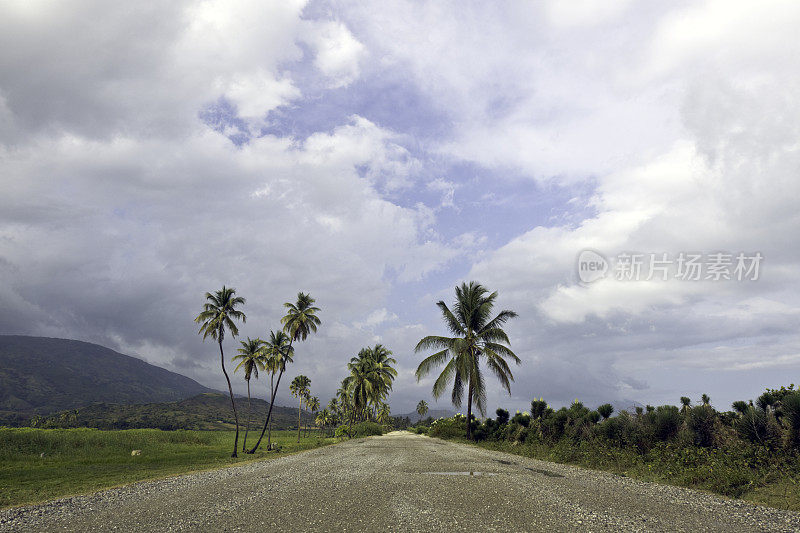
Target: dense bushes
[(728, 452), (448, 428), (362, 429)]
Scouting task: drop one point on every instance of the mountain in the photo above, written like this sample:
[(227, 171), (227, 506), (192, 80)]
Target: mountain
[(204, 411), (40, 375), (432, 413)]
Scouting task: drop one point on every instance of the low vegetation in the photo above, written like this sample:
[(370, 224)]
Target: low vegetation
[(208, 411), (40, 464), (751, 452)]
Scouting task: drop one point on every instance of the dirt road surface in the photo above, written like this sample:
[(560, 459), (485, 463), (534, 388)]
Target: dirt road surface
[(398, 482)]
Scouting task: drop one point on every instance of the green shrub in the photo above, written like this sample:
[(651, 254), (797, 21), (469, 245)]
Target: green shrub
[(667, 420), (757, 426), (701, 422), (523, 419), (366, 429), (606, 410), (790, 405), (539, 409), (502, 416), (449, 428)]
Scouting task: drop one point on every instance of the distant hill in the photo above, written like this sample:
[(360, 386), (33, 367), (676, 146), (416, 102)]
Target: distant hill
[(207, 411), (433, 413), (40, 375)]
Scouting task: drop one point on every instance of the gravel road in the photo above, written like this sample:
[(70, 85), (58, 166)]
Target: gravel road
[(398, 482)]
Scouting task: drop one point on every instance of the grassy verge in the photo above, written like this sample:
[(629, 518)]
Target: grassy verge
[(743, 472), (78, 461)]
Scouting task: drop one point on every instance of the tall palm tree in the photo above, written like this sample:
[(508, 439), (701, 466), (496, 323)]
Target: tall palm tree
[(422, 408), (277, 352), (360, 383), (301, 318), (312, 404), (476, 337), (250, 357), (299, 322), (383, 371), (344, 400), (217, 316), (300, 388)]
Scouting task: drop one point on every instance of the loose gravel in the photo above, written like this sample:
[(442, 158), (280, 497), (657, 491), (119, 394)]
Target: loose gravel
[(398, 482)]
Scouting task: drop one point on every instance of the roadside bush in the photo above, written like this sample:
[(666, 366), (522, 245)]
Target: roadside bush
[(757, 426), (606, 410), (502, 416), (667, 421), (702, 425), (490, 429), (366, 429), (791, 414), (448, 428), (523, 419), (539, 409)]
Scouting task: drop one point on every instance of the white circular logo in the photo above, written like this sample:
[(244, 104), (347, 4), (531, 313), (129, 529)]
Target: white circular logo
[(591, 266)]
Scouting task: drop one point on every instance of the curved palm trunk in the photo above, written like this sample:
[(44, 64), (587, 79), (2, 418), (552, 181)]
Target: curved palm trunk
[(247, 427), (269, 430), (469, 411), (233, 403), (299, 410), (269, 414)]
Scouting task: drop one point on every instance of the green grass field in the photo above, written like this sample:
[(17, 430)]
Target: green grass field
[(78, 461)]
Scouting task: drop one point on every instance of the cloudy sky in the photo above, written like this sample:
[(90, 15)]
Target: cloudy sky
[(376, 155)]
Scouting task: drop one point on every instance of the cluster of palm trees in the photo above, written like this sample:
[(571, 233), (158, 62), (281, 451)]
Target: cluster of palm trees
[(477, 338), (301, 388), (220, 314), (363, 393)]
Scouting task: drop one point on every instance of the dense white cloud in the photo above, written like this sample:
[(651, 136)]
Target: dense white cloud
[(123, 201)]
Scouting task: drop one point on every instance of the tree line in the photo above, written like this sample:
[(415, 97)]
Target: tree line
[(361, 397)]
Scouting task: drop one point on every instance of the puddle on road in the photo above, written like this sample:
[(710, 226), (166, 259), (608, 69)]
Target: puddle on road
[(473, 473)]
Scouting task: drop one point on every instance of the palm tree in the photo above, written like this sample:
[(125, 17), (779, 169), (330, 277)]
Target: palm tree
[(345, 400), (323, 419), (217, 316), (476, 337), (686, 403), (298, 323), (312, 404), (301, 319), (606, 410), (383, 371), (300, 389), (250, 355), (705, 400), (422, 408), (384, 414), (277, 352)]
